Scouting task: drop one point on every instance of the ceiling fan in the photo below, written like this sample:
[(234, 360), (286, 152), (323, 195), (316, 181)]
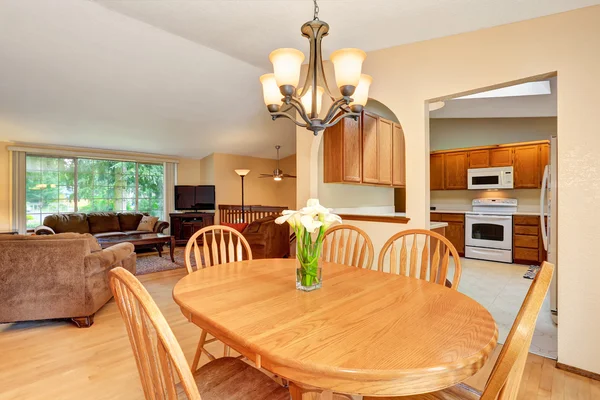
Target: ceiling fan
[(277, 174)]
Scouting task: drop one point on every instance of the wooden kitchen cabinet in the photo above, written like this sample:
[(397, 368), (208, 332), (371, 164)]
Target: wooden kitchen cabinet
[(384, 151), (370, 148), (479, 159), (398, 158), (502, 157), (544, 159), (455, 231), (527, 167), (342, 151), (436, 172), (455, 170), (527, 241), (368, 151)]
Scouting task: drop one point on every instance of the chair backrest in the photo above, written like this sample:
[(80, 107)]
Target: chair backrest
[(406, 263), (503, 383), (220, 245), (348, 245), (157, 353)]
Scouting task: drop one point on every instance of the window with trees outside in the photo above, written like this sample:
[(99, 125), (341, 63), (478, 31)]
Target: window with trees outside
[(64, 185)]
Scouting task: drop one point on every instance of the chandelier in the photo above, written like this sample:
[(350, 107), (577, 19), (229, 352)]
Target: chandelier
[(306, 101)]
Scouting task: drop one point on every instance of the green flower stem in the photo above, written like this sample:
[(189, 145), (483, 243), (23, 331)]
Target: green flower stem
[(309, 254)]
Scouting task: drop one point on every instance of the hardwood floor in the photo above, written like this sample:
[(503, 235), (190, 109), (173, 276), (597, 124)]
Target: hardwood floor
[(56, 360)]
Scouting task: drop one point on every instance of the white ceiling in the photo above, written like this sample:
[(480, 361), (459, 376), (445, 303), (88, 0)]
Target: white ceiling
[(502, 107), (165, 76)]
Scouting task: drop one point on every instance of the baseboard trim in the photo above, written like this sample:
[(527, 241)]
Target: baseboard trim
[(578, 371)]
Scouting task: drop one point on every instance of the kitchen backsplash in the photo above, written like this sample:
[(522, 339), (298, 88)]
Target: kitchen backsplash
[(460, 200)]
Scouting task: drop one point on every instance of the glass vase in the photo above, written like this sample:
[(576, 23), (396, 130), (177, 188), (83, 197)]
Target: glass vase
[(308, 261)]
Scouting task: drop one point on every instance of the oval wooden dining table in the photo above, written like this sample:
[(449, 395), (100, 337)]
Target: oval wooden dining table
[(364, 332)]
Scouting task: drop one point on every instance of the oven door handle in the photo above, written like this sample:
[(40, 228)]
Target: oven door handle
[(489, 217)]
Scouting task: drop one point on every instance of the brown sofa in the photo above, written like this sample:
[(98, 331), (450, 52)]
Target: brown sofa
[(99, 224), (59, 276), (268, 239)]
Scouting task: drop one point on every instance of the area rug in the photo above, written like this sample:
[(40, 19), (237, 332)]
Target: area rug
[(531, 272), (150, 262)]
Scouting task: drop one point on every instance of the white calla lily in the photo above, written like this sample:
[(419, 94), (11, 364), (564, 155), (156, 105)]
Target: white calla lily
[(310, 224), (331, 219)]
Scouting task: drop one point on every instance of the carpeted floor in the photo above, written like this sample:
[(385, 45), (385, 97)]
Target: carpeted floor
[(149, 262)]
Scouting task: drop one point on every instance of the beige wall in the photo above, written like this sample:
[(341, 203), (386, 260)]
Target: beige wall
[(407, 77), (188, 172), (287, 188), (452, 133), (257, 191), (5, 193)]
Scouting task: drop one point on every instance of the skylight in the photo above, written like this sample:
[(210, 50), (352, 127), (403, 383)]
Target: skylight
[(523, 89)]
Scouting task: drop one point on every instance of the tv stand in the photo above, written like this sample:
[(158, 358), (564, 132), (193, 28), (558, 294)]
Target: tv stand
[(184, 225)]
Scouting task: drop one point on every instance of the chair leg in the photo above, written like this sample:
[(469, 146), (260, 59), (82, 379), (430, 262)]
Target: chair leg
[(199, 350), (226, 350)]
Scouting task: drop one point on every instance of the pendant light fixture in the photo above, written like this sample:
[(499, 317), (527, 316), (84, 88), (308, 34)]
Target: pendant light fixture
[(307, 101)]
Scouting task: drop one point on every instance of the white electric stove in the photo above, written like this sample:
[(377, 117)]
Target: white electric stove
[(488, 229)]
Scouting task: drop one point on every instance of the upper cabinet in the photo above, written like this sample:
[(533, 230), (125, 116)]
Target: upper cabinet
[(398, 150), (479, 159), (527, 167), (455, 170), (502, 157), (448, 168), (343, 148), (368, 151), (436, 172)]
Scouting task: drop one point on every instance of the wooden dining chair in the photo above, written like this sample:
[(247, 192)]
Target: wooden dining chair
[(214, 245), (435, 257), (161, 362), (504, 381), (348, 245)]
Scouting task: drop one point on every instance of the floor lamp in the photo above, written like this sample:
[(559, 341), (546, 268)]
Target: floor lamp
[(242, 173)]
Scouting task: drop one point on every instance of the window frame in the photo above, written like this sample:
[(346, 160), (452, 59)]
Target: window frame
[(76, 182)]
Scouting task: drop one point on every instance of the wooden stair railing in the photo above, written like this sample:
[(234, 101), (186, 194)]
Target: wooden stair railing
[(231, 214)]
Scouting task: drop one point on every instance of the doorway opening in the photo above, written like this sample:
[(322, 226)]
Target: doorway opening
[(493, 169)]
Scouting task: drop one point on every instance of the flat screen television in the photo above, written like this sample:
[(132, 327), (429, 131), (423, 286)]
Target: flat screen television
[(201, 197)]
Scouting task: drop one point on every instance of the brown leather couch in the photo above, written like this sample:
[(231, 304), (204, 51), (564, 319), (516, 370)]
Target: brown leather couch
[(99, 224), (268, 239), (57, 276)]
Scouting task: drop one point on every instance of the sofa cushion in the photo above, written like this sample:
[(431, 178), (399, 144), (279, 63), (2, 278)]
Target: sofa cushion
[(73, 222), (107, 234), (94, 245), (147, 223), (103, 222), (129, 221), (238, 227)]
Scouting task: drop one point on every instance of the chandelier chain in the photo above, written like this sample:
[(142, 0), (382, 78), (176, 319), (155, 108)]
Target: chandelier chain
[(316, 13)]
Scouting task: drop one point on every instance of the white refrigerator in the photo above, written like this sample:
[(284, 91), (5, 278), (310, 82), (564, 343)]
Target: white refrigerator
[(548, 222)]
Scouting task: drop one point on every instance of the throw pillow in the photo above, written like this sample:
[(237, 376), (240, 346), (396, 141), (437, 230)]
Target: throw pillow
[(238, 227), (147, 223)]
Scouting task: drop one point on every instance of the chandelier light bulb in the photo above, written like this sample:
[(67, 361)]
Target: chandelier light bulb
[(361, 94), (347, 64), (286, 66), (271, 93), (307, 99)]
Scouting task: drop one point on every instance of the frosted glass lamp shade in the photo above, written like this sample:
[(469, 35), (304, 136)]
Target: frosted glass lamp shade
[(347, 64), (277, 178), (271, 92), (242, 172), (361, 94), (286, 66), (307, 99)]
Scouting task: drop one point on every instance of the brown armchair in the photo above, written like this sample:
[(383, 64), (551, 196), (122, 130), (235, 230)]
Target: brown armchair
[(57, 276), (268, 239)]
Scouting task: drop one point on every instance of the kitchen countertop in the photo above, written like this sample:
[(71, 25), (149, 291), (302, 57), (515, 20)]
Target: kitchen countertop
[(437, 225), (533, 213)]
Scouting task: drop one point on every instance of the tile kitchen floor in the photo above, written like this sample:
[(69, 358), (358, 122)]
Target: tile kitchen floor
[(501, 289)]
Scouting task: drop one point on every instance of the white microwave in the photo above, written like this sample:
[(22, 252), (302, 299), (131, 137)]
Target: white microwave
[(490, 178)]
